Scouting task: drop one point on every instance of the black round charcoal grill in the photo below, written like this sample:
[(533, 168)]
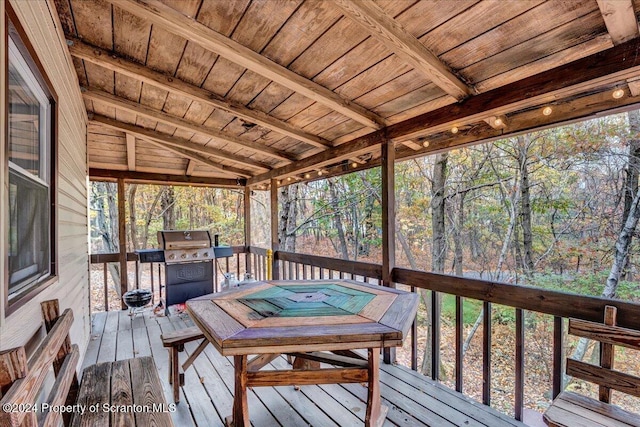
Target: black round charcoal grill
[(137, 298)]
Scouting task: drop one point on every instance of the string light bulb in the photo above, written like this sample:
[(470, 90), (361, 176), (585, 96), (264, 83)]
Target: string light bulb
[(547, 111), (319, 173), (307, 175), (498, 122), (454, 130), (289, 178), (354, 165), (618, 93), (425, 143)]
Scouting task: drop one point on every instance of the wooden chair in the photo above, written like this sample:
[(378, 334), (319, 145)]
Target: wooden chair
[(124, 383), (572, 409)]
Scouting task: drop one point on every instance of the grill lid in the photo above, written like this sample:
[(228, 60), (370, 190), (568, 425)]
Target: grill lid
[(187, 239)]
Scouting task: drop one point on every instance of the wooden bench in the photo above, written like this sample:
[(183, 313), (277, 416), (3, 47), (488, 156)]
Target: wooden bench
[(125, 392), (174, 341), (572, 409)]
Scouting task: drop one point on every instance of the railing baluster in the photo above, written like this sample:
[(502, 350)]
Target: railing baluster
[(105, 287), (414, 340), (558, 355), (459, 342), (435, 335), (160, 279), (519, 392), (238, 267), (486, 354), (153, 292)]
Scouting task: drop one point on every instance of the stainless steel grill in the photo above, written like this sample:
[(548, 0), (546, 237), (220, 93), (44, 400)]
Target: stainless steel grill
[(186, 246), (188, 257)]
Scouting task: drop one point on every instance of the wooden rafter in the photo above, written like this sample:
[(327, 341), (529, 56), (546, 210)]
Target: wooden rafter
[(175, 22), (177, 145), (131, 152), (388, 31), (620, 19), (604, 69), (155, 178), (159, 116), (120, 65)]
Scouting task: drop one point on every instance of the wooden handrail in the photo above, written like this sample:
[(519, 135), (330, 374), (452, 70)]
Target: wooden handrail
[(556, 303)]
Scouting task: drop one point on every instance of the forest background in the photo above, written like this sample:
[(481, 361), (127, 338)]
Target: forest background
[(553, 209)]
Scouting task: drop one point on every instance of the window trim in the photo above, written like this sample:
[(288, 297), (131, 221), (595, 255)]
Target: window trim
[(16, 32)]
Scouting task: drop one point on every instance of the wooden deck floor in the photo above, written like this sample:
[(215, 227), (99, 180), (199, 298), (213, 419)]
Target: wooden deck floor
[(207, 395)]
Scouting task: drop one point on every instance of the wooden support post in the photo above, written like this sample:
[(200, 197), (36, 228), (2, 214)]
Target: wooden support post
[(240, 417), (247, 230), (376, 412), (388, 224), (275, 243), (122, 242)]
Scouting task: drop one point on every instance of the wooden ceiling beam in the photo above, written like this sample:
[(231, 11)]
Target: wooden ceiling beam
[(97, 174), (620, 19), (131, 151), (390, 33), (361, 145), (175, 22), (178, 145), (159, 116), (600, 70), (121, 65)]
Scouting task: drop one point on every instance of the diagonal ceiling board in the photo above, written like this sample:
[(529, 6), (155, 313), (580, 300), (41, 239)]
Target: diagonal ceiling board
[(153, 114), (167, 140), (110, 61), (131, 152), (620, 19), (388, 31), (191, 167), (175, 22)]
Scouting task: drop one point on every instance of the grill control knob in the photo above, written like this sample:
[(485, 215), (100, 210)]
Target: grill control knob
[(172, 256), (183, 256), (206, 254), (195, 255)]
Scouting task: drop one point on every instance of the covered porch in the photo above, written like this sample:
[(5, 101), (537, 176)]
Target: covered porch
[(258, 95)]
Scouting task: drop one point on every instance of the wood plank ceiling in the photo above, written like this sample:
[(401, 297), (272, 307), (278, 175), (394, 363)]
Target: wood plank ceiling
[(273, 89)]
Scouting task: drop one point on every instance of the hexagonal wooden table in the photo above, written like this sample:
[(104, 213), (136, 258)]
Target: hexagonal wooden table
[(320, 321)]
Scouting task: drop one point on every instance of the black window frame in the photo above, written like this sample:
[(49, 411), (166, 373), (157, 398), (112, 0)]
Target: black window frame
[(17, 34)]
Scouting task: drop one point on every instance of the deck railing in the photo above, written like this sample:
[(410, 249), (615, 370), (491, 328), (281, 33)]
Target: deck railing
[(559, 305)]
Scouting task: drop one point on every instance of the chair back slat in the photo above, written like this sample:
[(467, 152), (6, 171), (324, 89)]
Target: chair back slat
[(616, 380)]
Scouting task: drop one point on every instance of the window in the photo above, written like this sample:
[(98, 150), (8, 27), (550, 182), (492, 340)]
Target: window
[(30, 159)]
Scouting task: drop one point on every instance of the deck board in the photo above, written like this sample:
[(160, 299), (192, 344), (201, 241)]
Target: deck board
[(207, 396)]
